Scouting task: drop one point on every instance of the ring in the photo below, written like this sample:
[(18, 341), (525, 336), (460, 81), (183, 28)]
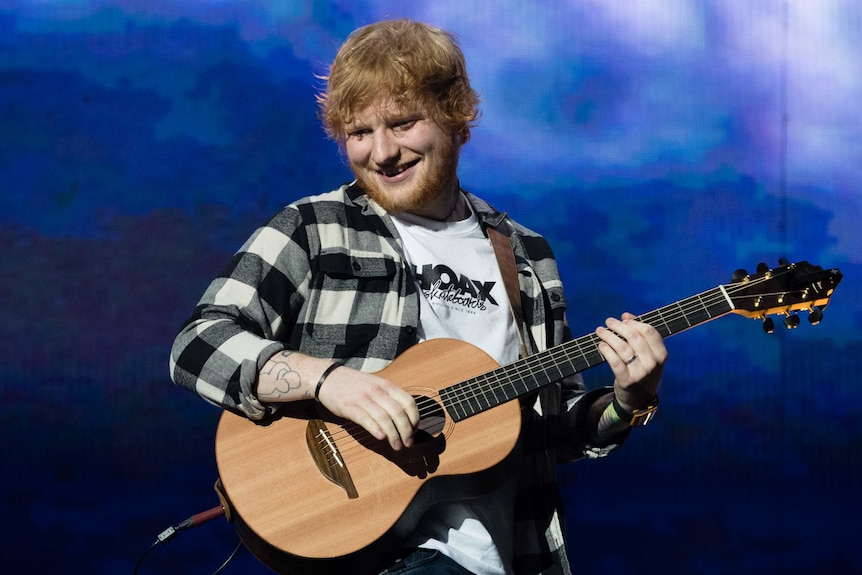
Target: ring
[(632, 360)]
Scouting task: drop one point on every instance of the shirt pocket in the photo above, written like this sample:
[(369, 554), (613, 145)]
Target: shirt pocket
[(348, 293)]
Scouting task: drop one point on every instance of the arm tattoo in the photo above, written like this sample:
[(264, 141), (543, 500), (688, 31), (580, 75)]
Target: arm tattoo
[(286, 379)]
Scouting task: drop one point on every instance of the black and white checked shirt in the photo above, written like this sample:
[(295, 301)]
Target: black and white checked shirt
[(326, 276)]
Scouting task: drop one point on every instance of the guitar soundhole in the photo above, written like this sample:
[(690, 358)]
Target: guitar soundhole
[(432, 418)]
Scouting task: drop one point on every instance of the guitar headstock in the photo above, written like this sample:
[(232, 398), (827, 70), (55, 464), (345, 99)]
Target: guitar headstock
[(783, 291)]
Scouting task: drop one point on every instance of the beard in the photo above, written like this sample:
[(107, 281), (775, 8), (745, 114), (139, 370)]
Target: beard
[(439, 179)]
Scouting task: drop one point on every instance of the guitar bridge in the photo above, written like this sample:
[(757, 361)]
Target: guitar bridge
[(328, 458)]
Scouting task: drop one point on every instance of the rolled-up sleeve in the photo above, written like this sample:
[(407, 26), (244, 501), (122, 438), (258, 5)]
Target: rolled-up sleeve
[(242, 319)]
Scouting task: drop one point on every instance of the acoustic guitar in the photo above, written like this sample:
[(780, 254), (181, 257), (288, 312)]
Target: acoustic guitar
[(313, 493)]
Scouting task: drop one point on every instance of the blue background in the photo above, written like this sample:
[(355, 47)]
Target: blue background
[(658, 144)]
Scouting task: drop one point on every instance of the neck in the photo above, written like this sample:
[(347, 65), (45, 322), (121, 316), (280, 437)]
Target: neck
[(453, 206)]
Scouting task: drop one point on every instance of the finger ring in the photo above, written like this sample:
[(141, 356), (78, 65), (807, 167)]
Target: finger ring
[(632, 360)]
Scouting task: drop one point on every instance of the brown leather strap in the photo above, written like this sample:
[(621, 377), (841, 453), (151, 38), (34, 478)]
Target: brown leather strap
[(508, 269)]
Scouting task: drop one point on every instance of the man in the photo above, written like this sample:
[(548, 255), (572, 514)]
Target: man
[(336, 286)]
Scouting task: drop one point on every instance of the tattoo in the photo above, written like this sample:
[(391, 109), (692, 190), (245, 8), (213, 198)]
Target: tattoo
[(286, 379)]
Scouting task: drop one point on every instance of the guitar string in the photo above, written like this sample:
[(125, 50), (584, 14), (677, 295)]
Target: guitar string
[(351, 435), (472, 390), (704, 301), (488, 383), (491, 382)]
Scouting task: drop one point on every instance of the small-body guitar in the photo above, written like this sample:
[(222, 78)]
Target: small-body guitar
[(313, 493)]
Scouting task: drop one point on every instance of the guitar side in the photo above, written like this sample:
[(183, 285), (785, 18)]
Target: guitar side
[(291, 516)]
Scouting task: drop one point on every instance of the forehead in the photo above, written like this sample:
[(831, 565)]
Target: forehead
[(385, 110)]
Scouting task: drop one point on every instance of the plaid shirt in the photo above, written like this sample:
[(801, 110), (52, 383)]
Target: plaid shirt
[(327, 276)]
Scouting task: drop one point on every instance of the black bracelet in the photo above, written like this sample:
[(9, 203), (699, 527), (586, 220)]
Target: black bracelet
[(623, 413), (323, 377)]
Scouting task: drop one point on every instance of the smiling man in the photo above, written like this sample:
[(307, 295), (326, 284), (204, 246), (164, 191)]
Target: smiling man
[(336, 286)]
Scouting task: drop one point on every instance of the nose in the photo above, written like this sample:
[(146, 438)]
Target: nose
[(385, 149)]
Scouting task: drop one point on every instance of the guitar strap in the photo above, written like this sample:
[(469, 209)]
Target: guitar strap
[(500, 241)]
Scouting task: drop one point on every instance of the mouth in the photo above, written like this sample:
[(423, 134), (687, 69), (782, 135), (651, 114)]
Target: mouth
[(396, 173)]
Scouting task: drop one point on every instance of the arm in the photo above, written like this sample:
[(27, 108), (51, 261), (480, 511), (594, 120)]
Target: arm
[(591, 420), (383, 409), (593, 426), (234, 353), (243, 318), (636, 354)]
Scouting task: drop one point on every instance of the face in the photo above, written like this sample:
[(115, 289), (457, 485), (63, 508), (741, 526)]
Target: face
[(403, 160)]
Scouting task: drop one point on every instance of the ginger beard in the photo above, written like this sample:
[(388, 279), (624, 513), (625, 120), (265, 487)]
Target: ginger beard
[(437, 178)]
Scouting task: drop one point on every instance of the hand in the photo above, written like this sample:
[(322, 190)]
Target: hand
[(636, 354), (383, 409)]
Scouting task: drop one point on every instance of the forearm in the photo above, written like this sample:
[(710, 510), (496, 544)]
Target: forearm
[(290, 376), (604, 422), (385, 410)]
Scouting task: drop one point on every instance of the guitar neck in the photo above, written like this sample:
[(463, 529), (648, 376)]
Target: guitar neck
[(483, 392)]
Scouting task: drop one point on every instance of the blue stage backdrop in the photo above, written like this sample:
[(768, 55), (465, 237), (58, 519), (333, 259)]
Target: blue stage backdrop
[(659, 145)]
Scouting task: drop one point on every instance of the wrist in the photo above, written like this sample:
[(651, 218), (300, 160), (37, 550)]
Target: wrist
[(637, 417), (606, 423), (332, 367)]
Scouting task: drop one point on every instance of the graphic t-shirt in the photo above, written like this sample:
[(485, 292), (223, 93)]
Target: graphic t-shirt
[(463, 297)]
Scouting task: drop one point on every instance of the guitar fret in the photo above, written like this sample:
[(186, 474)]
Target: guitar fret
[(684, 316), (478, 394), (663, 329)]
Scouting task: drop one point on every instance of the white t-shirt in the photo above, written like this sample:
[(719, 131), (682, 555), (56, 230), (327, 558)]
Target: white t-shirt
[(463, 297)]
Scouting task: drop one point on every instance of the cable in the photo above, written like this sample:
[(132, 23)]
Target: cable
[(201, 518), (143, 556), (229, 559), (193, 521)]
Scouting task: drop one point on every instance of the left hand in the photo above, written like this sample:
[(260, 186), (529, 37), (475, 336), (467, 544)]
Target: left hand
[(636, 353)]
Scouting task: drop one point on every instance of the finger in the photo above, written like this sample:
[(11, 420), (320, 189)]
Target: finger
[(615, 337), (641, 337), (407, 404), (404, 416), (360, 407), (377, 421), (614, 349), (396, 417), (410, 410), (627, 351), (366, 421), (645, 340)]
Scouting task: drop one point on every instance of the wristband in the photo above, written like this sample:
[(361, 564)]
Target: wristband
[(639, 417), (323, 377)]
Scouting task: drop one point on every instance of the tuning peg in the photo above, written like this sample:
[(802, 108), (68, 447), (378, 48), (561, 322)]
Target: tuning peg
[(783, 262), (815, 316), (768, 325), (739, 275), (762, 268), (791, 321)]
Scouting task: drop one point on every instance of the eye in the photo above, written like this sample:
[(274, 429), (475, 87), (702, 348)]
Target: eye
[(358, 133), (404, 125)]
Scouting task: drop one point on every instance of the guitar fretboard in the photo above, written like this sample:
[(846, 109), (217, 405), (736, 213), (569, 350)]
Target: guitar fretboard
[(480, 393)]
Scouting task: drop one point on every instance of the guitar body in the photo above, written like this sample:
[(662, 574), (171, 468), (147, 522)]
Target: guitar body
[(313, 493)]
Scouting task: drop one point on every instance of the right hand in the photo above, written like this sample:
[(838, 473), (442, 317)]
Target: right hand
[(383, 409)]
